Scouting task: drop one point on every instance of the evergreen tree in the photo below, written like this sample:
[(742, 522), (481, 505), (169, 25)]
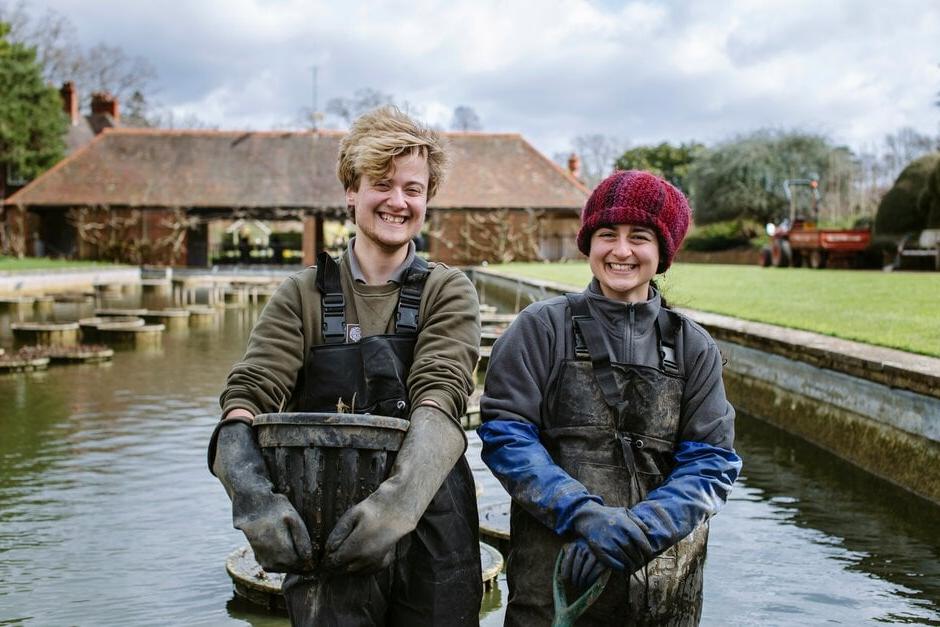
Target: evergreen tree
[(32, 124), (743, 178), (668, 161)]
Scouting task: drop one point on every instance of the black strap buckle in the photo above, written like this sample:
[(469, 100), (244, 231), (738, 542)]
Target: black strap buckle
[(406, 320), (667, 356), (334, 318)]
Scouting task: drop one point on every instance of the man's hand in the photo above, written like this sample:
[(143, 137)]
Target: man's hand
[(274, 529), (276, 533), (364, 538)]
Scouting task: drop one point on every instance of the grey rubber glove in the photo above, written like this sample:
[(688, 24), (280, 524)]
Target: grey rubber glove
[(276, 532), (614, 535), (579, 566), (364, 538)]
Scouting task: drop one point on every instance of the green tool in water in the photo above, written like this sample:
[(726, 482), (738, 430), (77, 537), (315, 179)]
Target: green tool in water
[(566, 615)]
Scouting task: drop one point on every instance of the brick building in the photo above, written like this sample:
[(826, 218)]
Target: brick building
[(148, 196)]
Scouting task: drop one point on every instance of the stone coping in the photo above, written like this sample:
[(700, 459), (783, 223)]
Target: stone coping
[(54, 280), (888, 366)]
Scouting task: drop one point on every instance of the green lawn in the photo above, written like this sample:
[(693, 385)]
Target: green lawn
[(13, 264), (895, 309)]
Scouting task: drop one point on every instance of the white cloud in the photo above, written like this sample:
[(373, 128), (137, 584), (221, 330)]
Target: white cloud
[(550, 69)]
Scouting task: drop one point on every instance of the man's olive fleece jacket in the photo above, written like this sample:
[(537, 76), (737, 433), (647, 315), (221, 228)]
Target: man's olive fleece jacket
[(270, 376)]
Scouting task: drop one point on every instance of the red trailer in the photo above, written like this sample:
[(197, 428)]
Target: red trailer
[(797, 241)]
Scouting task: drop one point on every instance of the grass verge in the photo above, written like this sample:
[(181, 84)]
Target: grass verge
[(894, 309), (15, 264)]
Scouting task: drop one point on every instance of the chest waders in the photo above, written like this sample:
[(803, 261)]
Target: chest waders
[(435, 578), (613, 427)]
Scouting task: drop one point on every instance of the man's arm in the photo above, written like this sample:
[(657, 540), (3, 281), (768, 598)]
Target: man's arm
[(264, 380), (448, 344)]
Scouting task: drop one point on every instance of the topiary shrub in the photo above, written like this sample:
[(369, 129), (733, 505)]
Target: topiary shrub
[(902, 210), (929, 202)]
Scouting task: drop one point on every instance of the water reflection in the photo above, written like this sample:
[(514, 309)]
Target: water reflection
[(108, 515), (834, 540)]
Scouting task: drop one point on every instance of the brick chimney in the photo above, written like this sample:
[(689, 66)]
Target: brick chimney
[(104, 102), (574, 166), (70, 101)]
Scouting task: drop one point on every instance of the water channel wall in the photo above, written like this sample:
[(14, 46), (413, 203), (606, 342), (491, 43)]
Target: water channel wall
[(875, 407), (27, 282)]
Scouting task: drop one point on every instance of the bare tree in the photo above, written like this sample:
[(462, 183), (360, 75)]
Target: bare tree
[(465, 119), (61, 57), (364, 99), (598, 153), (904, 146)]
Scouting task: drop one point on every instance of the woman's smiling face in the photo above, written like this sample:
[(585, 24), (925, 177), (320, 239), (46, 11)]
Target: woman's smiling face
[(623, 259)]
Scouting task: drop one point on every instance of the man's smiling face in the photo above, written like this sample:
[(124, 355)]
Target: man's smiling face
[(390, 211)]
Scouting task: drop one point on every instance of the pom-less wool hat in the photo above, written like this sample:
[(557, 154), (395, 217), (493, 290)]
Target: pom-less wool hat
[(642, 199)]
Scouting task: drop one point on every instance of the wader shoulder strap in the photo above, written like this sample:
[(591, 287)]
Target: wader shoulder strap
[(332, 301), (409, 297), (668, 327), (590, 332)]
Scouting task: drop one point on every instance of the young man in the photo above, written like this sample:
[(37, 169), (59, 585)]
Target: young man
[(409, 553)]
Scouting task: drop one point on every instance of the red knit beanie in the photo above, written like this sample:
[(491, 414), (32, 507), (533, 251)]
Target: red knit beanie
[(641, 199)]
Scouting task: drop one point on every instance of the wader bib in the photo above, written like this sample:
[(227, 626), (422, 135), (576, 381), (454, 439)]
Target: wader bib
[(614, 428), (435, 578)]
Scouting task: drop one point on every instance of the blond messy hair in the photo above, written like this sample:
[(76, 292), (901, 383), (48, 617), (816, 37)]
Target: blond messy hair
[(377, 137)]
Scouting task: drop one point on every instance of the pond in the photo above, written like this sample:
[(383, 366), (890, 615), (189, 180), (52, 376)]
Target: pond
[(108, 515)]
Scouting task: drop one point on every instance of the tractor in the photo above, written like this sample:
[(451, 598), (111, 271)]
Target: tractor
[(797, 241)]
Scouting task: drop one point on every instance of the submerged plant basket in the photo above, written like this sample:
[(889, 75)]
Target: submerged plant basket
[(81, 354), (44, 304), (202, 315), (326, 463), (45, 333), (121, 334), (494, 525), (89, 326), (110, 312), (172, 319), (17, 304), (22, 363)]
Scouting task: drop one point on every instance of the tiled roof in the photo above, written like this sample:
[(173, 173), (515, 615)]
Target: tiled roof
[(221, 169)]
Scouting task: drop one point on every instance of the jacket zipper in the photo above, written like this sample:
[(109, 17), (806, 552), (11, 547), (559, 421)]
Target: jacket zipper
[(631, 323)]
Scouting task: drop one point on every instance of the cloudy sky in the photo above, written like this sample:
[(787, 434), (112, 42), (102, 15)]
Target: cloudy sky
[(550, 69)]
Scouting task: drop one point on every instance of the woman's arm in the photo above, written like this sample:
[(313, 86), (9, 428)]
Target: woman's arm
[(516, 378)]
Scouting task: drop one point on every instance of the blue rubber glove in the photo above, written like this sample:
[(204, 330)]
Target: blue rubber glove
[(512, 450), (579, 566), (614, 535)]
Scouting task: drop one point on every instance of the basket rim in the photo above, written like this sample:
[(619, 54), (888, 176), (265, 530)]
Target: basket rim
[(325, 419)]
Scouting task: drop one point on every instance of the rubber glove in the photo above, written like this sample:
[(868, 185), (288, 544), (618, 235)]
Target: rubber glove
[(579, 566), (364, 538), (615, 536), (274, 529)]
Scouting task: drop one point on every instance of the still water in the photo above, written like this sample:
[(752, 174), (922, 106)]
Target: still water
[(108, 515)]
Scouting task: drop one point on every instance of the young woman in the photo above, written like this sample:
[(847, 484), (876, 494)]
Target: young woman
[(605, 417)]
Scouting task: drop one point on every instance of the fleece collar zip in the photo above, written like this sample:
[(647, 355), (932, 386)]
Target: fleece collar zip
[(624, 323)]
